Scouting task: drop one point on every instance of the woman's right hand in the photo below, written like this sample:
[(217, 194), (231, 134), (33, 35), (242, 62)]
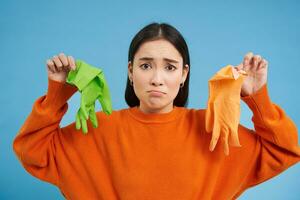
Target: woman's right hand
[(59, 66)]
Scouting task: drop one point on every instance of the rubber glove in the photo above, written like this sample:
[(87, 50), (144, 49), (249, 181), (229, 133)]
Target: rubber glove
[(92, 85), (104, 96), (223, 107)]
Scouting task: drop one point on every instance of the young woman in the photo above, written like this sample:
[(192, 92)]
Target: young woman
[(156, 148)]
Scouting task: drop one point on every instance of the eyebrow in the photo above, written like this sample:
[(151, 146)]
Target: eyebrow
[(166, 59)]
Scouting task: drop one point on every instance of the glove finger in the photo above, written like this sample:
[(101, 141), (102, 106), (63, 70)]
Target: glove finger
[(215, 136), (78, 124), (105, 105), (225, 134), (104, 98), (93, 117), (216, 128), (83, 108), (83, 124)]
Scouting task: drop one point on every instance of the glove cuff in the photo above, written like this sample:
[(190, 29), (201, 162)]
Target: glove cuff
[(83, 74)]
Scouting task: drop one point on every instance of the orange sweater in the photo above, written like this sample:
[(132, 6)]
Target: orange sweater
[(133, 155)]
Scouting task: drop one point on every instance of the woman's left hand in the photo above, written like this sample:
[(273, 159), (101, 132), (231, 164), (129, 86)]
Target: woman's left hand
[(256, 67)]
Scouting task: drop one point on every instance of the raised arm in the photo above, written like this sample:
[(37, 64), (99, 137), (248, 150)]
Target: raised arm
[(270, 148), (35, 144)]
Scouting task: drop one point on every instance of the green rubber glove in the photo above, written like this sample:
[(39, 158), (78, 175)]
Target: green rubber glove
[(92, 85), (104, 97), (82, 75), (97, 89)]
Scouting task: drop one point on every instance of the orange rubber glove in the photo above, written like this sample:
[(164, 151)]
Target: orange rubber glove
[(223, 107)]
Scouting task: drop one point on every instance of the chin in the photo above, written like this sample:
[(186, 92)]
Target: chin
[(154, 105), (158, 106)]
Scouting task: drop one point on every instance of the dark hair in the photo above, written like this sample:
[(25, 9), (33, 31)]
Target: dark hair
[(155, 31)]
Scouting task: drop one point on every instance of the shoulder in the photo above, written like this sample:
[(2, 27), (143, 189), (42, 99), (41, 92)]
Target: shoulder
[(114, 113), (195, 113), (114, 116)]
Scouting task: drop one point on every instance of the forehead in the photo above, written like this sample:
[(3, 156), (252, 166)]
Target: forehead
[(158, 49)]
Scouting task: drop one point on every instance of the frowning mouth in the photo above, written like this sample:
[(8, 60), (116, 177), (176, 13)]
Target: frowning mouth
[(156, 93)]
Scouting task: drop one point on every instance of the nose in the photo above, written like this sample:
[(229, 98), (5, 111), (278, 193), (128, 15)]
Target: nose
[(156, 78)]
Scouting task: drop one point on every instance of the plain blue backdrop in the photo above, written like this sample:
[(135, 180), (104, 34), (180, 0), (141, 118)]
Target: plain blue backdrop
[(217, 33)]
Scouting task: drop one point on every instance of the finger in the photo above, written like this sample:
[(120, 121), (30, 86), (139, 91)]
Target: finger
[(235, 73), (263, 63), (225, 140), (83, 108), (240, 69), (83, 124), (247, 60), (105, 98), (266, 62), (50, 65), (57, 63), (93, 117), (72, 62), (240, 66), (256, 61), (243, 72), (215, 137), (63, 59), (215, 130), (78, 124)]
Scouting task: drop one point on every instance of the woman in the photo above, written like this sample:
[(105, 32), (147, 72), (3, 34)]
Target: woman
[(157, 148)]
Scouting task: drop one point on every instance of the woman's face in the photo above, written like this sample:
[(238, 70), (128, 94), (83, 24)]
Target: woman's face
[(158, 67)]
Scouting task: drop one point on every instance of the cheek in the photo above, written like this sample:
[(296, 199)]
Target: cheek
[(140, 83), (173, 86), (174, 80), (139, 78)]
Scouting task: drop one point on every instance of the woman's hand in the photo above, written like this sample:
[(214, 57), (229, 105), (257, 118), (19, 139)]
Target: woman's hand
[(256, 67), (59, 67)]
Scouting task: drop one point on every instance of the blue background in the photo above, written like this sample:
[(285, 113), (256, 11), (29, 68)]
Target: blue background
[(217, 32)]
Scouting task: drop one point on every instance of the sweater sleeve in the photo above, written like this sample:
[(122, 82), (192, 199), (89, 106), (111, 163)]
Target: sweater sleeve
[(273, 146), (35, 143)]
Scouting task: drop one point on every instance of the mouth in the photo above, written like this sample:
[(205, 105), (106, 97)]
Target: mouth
[(156, 93)]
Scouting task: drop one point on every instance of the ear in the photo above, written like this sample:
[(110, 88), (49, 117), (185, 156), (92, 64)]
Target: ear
[(185, 72), (130, 70)]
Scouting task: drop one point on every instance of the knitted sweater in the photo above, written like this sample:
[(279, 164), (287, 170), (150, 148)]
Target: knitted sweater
[(161, 156)]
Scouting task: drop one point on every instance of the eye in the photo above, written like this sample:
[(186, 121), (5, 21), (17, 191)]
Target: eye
[(144, 65), (170, 67)]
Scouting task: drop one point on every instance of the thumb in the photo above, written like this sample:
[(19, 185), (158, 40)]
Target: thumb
[(240, 66), (240, 69)]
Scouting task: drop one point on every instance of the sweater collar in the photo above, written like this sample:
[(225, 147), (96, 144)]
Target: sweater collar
[(139, 115)]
